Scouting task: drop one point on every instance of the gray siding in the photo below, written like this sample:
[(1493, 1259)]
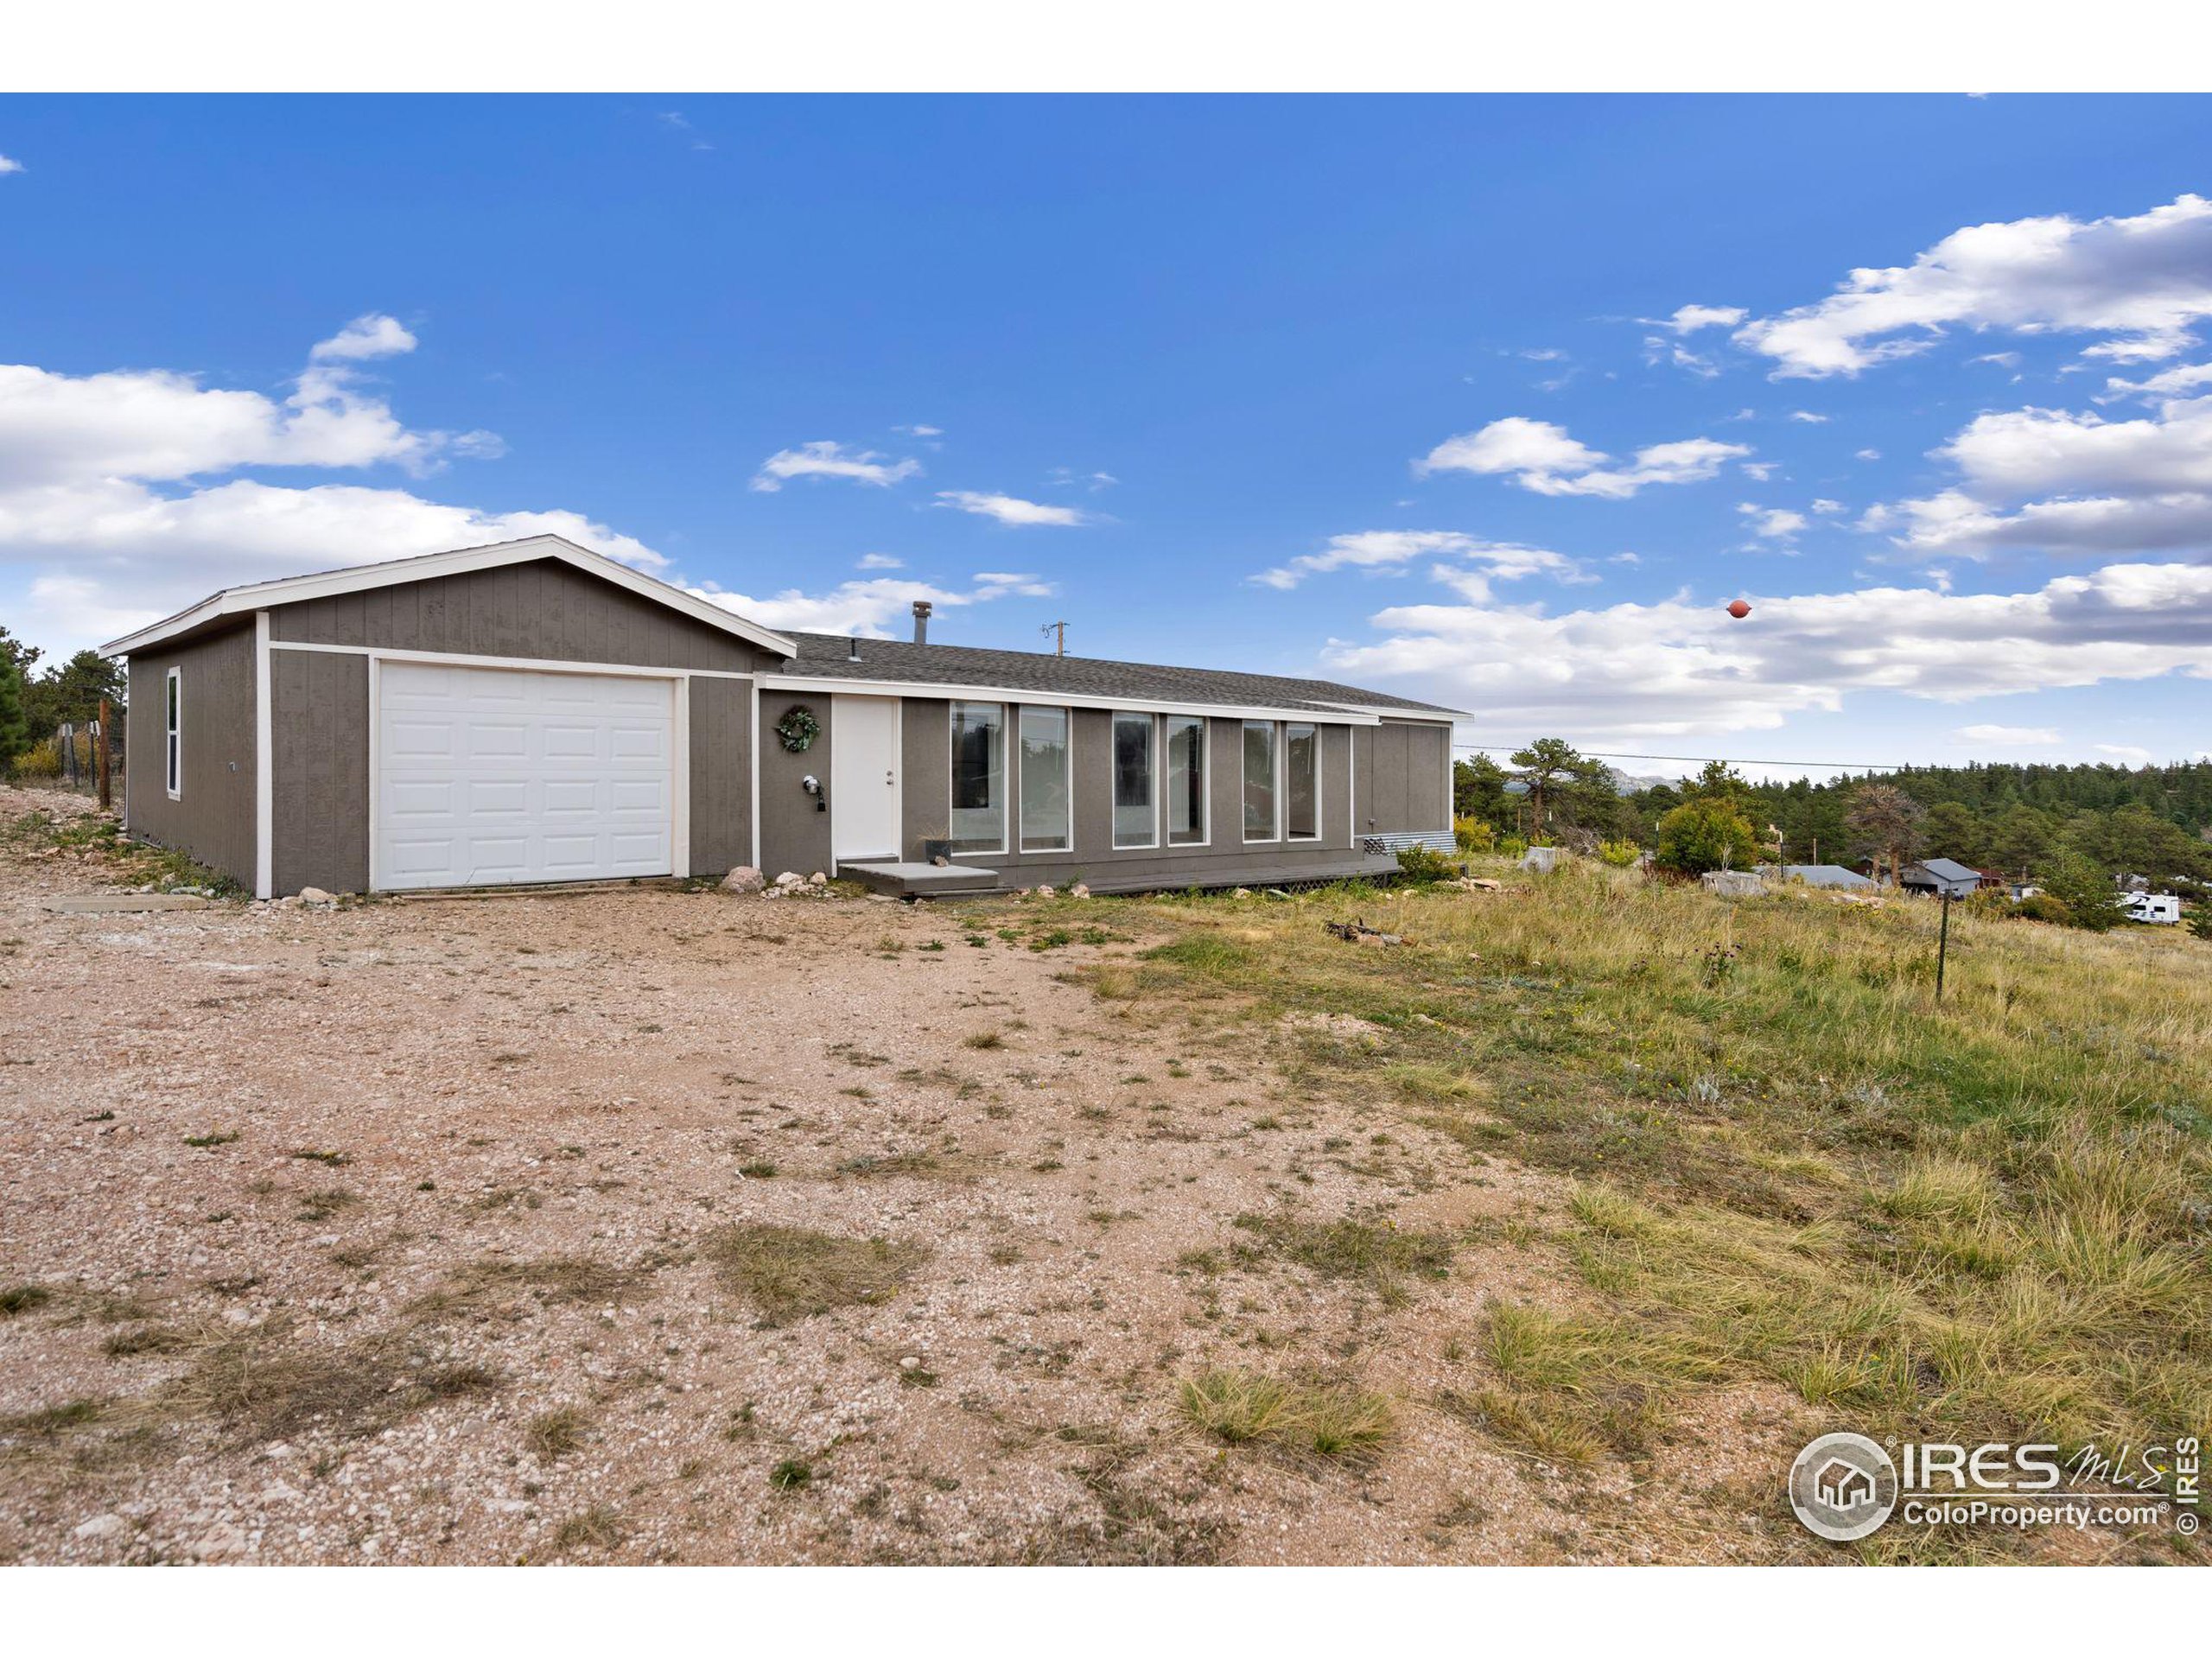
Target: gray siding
[(794, 836), (544, 608), (925, 772), (1400, 786), (319, 748), (214, 820), (721, 775)]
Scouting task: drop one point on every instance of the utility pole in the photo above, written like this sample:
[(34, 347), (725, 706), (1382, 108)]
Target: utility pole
[(1060, 629)]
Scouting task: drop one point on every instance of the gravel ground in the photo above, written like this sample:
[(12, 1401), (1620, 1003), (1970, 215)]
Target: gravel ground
[(441, 1283)]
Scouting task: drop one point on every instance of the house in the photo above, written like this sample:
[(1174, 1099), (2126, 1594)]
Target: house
[(534, 712), (1940, 876), (1844, 1486), (1820, 875)]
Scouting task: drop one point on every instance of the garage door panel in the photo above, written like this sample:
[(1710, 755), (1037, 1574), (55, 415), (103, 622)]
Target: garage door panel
[(495, 775)]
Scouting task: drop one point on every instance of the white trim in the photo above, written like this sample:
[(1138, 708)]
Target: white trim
[(753, 748), (376, 724), (291, 590), (1320, 815), (1440, 716), (1450, 818), (1351, 790), (1205, 786), (679, 828), (771, 680), (264, 765), (551, 665), (1274, 764), (1152, 780), (1021, 768), (173, 732)]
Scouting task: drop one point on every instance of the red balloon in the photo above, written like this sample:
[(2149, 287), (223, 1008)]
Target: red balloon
[(1739, 609)]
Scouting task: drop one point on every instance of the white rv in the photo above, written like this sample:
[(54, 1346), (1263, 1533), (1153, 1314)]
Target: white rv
[(2160, 907)]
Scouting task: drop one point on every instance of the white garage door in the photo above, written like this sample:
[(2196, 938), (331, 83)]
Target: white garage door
[(487, 776)]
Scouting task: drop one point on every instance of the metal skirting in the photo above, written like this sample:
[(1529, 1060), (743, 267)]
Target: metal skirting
[(1437, 840), (923, 880)]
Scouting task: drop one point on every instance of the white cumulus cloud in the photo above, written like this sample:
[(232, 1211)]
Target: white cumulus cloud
[(1011, 509), (827, 459), (2009, 737), (2138, 283), (1393, 550), (1541, 456), (877, 607)]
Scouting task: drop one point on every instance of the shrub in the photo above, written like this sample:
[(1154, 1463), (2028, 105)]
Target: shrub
[(2042, 907), (1474, 836), (1619, 854), (1709, 832), (1425, 864), (2091, 900), (41, 759), (1512, 846)]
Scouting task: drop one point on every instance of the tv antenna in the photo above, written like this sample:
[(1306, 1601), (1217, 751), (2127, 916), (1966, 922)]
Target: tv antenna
[(1060, 630)]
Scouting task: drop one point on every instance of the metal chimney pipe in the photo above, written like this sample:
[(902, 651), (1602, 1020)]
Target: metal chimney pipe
[(921, 622), (853, 649)]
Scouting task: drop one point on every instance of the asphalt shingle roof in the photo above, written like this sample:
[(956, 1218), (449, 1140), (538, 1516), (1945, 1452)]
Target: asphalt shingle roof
[(826, 655)]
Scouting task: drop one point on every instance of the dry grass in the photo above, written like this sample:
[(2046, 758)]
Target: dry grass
[(1322, 1419), (552, 1435), (1984, 1217), (794, 1273)]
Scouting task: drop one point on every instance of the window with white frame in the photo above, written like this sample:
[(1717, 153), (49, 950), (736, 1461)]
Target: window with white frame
[(1186, 780), (1301, 782), (978, 778), (1043, 733), (172, 732), (1136, 815), (1260, 794)]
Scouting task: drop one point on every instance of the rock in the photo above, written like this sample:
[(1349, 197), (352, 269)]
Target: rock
[(316, 896), (1240, 892), (277, 1451), (1044, 891), (817, 880), (225, 1539), (910, 1362), (1079, 891), (744, 879), (100, 1526), (790, 879)]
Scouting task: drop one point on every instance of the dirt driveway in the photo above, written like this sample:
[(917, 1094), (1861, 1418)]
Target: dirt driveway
[(477, 1230)]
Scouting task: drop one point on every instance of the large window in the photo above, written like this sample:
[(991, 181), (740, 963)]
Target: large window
[(978, 778), (1044, 734), (1136, 818), (1186, 780), (1301, 781), (173, 734), (1260, 780)]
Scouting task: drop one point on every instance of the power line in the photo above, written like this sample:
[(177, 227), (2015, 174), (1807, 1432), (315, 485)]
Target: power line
[(1623, 754)]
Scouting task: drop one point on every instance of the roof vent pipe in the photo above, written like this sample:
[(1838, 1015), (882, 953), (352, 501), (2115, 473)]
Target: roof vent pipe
[(853, 649), (921, 622)]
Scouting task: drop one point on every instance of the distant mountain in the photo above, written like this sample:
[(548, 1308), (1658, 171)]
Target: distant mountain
[(1628, 783)]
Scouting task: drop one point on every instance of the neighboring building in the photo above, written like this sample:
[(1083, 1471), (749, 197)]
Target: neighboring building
[(533, 712), (1940, 876), (1820, 875)]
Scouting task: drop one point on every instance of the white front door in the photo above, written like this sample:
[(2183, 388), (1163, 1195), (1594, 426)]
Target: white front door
[(863, 778), (486, 776)]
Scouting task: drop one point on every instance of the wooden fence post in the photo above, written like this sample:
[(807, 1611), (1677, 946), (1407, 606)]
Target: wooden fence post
[(107, 792)]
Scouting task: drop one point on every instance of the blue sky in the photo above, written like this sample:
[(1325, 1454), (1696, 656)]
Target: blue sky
[(1402, 391)]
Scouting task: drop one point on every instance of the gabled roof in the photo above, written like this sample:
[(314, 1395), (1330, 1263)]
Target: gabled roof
[(963, 668), (1946, 870), (288, 590), (1823, 875)]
